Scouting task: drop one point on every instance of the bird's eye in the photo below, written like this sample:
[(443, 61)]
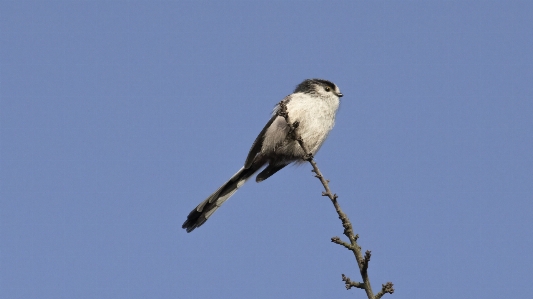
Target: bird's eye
[(327, 88)]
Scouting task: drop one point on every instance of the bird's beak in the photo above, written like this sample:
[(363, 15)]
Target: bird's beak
[(340, 95)]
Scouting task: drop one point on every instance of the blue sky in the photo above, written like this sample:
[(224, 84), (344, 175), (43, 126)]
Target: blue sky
[(119, 117)]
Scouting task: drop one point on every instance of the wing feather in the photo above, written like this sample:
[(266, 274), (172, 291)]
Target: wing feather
[(258, 143)]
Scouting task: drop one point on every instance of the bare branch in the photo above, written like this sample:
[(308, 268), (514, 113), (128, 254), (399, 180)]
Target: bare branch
[(350, 284), (385, 288), (362, 262), (338, 240)]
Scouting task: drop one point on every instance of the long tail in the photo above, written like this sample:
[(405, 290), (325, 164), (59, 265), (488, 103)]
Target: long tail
[(206, 208)]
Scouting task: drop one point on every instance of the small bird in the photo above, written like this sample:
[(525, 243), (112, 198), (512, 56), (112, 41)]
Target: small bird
[(313, 104)]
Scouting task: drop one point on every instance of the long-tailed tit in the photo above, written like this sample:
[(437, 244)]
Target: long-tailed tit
[(313, 104)]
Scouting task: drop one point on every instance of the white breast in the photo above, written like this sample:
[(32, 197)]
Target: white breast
[(316, 117)]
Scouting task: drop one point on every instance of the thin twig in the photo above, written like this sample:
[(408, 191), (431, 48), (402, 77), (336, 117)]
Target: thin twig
[(362, 262), (385, 288), (366, 259), (350, 284)]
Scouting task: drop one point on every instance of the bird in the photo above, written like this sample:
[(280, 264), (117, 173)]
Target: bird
[(313, 106)]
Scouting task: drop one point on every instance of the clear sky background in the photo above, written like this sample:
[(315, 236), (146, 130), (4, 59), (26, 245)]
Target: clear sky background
[(119, 117)]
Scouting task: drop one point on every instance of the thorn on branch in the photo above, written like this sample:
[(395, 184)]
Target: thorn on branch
[(282, 110), (365, 261), (385, 288), (295, 125), (292, 130), (308, 157), (349, 284)]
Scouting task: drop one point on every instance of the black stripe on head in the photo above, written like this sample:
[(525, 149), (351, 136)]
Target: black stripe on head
[(307, 86)]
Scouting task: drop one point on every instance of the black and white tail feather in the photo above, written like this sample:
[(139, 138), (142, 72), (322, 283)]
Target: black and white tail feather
[(313, 104)]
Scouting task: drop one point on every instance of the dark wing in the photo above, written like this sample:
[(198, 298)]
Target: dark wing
[(258, 143), (269, 170)]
